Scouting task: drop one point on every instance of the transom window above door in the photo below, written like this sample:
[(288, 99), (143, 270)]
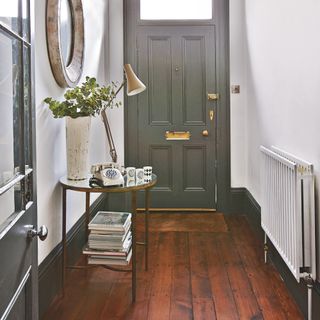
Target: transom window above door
[(175, 9)]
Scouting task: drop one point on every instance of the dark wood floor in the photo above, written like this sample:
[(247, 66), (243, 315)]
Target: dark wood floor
[(214, 273)]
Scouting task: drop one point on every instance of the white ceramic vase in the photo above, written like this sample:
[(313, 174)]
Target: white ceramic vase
[(78, 135)]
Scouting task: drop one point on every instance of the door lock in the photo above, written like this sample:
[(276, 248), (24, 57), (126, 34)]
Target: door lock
[(211, 115)]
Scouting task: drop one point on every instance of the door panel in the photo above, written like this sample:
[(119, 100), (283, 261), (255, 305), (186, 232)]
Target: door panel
[(178, 66), (194, 157), (194, 81), (20, 306), (16, 248), (160, 81), (161, 157)]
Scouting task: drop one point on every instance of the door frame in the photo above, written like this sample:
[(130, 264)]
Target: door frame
[(35, 269), (223, 168)]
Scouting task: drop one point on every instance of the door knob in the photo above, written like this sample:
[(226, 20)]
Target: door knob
[(42, 233), (205, 133)]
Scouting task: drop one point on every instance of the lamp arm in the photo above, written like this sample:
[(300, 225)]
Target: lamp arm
[(113, 151), (121, 86)]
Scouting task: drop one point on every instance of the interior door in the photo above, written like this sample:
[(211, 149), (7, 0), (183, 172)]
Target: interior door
[(18, 216), (175, 117)]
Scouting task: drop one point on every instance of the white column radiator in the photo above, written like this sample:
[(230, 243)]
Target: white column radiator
[(288, 209), (288, 213)]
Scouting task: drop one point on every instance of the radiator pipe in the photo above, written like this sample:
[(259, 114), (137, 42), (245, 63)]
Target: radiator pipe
[(265, 248), (309, 303), (309, 282)]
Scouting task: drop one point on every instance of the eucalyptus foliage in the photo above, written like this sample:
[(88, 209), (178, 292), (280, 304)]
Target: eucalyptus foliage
[(88, 99)]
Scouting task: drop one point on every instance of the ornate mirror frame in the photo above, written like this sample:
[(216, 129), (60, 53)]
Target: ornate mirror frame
[(65, 75)]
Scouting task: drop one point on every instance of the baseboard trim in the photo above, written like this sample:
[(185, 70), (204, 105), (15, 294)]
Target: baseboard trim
[(247, 205), (50, 271), (237, 200)]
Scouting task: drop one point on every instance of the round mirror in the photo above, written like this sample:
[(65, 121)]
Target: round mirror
[(66, 27), (65, 40)]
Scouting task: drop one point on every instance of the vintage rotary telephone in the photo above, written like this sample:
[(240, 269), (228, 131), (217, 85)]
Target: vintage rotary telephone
[(106, 175)]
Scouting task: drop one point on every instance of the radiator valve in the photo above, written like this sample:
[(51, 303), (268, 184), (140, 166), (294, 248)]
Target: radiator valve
[(309, 281)]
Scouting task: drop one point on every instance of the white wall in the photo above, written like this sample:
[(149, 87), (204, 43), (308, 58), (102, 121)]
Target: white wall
[(237, 101), (282, 77), (51, 155), (115, 61), (274, 56)]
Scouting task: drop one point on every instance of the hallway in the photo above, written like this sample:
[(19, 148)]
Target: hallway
[(201, 266)]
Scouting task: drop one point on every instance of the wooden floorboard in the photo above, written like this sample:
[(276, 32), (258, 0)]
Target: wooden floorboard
[(162, 279), (202, 298), (181, 301), (270, 291), (223, 297), (245, 299), (217, 273)]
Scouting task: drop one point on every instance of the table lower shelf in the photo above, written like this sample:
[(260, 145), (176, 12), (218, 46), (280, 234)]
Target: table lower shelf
[(91, 266)]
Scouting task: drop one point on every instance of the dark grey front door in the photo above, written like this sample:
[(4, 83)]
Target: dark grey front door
[(177, 65), (18, 214), (182, 56)]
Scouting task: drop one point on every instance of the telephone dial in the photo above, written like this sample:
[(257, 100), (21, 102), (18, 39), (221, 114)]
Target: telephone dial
[(106, 175)]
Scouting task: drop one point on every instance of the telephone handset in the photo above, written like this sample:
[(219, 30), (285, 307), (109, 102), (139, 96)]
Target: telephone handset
[(106, 175)]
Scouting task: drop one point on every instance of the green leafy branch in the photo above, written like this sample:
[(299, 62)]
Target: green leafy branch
[(87, 99)]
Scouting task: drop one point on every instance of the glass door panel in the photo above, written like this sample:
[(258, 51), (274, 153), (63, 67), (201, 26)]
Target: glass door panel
[(25, 20), (11, 205), (9, 14), (16, 18), (10, 86), (27, 108)]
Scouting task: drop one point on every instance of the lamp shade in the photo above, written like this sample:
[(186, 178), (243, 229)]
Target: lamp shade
[(134, 85)]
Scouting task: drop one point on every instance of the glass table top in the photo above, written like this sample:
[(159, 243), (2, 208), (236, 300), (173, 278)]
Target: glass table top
[(83, 185)]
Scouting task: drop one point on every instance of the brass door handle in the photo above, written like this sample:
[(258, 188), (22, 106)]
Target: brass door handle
[(205, 133)]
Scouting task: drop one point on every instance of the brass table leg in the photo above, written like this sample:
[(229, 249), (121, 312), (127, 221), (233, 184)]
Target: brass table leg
[(133, 228), (64, 238), (87, 213), (87, 222), (146, 230)]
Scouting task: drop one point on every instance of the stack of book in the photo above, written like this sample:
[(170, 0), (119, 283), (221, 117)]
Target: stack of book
[(110, 239)]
